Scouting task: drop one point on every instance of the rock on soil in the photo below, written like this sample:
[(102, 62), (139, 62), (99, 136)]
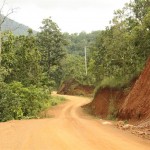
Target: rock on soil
[(141, 130)]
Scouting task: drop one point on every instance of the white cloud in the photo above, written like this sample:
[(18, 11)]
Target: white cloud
[(70, 15)]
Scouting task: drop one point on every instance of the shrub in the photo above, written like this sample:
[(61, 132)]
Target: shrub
[(17, 102), (56, 100)]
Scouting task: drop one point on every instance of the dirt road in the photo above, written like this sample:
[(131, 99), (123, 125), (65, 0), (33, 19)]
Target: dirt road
[(68, 129)]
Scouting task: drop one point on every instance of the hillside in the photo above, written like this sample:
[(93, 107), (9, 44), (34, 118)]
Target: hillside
[(137, 105), (15, 27), (107, 102), (132, 104)]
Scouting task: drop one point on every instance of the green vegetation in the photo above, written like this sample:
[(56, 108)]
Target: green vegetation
[(119, 53), (18, 102), (25, 82), (56, 100), (73, 66), (51, 44), (76, 42)]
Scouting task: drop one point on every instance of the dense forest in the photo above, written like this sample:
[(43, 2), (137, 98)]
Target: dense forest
[(31, 66)]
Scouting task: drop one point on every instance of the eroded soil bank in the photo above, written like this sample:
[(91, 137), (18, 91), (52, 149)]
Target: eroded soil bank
[(73, 87), (107, 102), (131, 105), (137, 104)]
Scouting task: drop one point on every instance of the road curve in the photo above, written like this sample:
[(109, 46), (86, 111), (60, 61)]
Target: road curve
[(68, 129)]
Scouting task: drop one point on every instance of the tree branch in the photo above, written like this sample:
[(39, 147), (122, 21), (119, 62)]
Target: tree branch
[(9, 12), (3, 4)]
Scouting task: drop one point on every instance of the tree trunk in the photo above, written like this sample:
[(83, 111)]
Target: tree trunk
[(49, 65)]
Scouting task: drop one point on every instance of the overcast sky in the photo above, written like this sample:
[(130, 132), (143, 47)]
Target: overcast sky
[(70, 15)]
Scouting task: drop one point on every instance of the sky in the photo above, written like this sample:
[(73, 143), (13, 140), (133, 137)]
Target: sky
[(70, 15)]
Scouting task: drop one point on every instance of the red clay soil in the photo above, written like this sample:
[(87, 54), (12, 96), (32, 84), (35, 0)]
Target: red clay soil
[(137, 104), (106, 98), (73, 87)]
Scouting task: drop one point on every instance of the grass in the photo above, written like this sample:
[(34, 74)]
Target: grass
[(114, 83), (54, 100)]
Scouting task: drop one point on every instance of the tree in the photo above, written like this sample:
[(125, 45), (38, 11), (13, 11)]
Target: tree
[(76, 42), (21, 59), (140, 8), (120, 51), (2, 20), (51, 43)]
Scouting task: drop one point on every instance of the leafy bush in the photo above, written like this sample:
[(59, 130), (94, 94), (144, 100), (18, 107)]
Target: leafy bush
[(17, 102), (56, 100), (113, 82)]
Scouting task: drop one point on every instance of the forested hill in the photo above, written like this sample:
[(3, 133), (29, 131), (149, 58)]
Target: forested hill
[(15, 27)]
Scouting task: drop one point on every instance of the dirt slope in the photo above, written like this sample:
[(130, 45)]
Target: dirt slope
[(69, 129), (137, 104), (73, 87), (107, 101)]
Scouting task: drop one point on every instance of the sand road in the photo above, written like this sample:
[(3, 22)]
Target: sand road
[(69, 129)]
